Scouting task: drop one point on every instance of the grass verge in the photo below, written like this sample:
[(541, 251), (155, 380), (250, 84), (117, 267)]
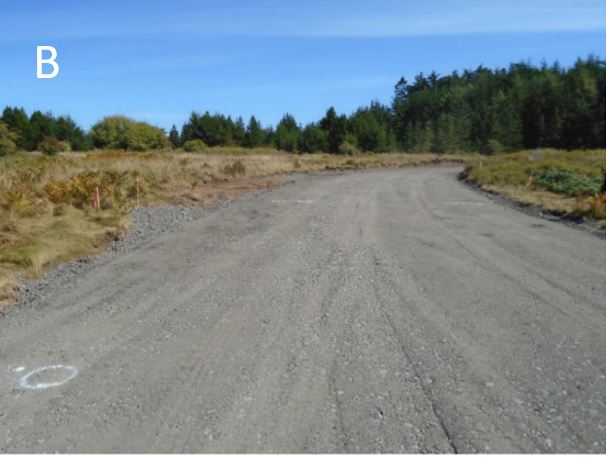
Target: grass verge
[(48, 205)]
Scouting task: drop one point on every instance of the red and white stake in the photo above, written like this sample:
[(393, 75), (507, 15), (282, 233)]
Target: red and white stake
[(137, 186)]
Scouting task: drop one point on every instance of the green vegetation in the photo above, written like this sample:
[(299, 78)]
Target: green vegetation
[(254, 136), (566, 182), (174, 138), (515, 169), (482, 110), (52, 145), (7, 140), (349, 149), (194, 146), (30, 131), (213, 130), (503, 110), (47, 214), (120, 132), (288, 134), (313, 139)]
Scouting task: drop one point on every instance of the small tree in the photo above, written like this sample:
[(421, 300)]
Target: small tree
[(68, 131), (41, 125), (255, 135), (313, 139), (287, 134), (335, 127), (174, 138), (239, 132)]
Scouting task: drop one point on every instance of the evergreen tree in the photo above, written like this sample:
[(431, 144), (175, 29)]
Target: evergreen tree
[(335, 128), (287, 135), (255, 135), (313, 139), (68, 131), (17, 122), (174, 138), (239, 132), (369, 132), (41, 126), (504, 109), (213, 130), (481, 110)]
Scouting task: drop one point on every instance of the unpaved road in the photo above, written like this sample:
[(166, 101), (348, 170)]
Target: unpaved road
[(393, 311)]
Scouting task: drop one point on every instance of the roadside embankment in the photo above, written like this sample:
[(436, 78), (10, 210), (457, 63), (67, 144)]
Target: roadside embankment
[(54, 209), (563, 184)]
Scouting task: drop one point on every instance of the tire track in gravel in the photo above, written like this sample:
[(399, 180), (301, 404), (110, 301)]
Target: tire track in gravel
[(379, 311)]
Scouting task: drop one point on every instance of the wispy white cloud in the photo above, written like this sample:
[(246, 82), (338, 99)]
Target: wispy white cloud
[(462, 17), (340, 18)]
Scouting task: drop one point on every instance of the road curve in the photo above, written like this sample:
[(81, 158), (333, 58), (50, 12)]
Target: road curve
[(381, 311)]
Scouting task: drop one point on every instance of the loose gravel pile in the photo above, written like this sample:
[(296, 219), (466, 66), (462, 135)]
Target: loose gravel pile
[(149, 223)]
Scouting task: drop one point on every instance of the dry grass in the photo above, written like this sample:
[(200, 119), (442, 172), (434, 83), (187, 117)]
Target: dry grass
[(46, 211), (556, 203), (47, 217), (518, 176)]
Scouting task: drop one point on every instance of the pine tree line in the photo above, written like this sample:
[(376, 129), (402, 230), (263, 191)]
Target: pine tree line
[(522, 107), (481, 110)]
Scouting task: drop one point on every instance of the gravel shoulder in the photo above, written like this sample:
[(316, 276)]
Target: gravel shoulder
[(383, 311), (149, 223)]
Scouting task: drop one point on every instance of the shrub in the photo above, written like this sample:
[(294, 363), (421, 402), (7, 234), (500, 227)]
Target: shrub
[(567, 182), (492, 147), (594, 207), (52, 145), (116, 187), (120, 132), (348, 149), (195, 146), (237, 168), (7, 140)]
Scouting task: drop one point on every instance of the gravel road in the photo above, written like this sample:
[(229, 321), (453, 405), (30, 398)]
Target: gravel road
[(382, 311)]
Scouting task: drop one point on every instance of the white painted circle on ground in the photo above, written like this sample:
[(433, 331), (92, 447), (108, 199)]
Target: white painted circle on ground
[(296, 201), (71, 372)]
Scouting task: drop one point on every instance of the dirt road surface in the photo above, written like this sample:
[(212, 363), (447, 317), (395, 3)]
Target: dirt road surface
[(383, 311)]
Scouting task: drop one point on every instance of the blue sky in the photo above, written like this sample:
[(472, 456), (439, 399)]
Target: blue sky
[(159, 60)]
